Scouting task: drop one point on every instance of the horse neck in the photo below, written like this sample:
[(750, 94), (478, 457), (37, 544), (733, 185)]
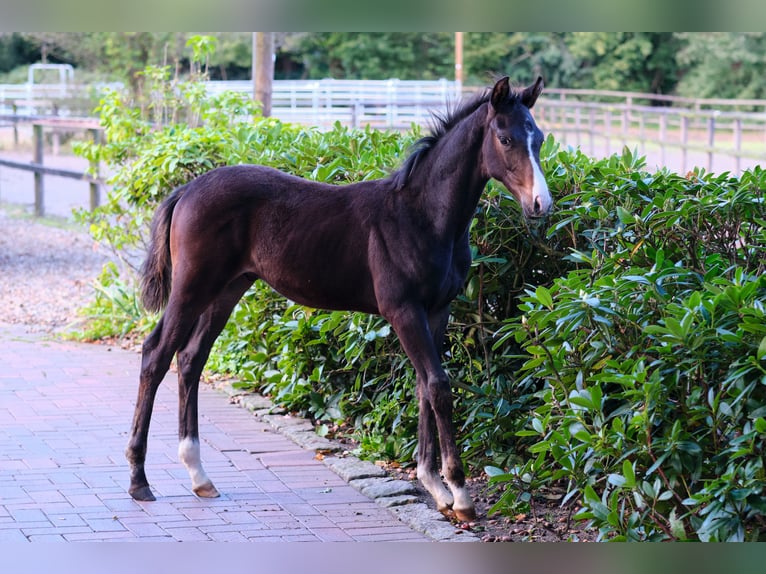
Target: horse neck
[(451, 180)]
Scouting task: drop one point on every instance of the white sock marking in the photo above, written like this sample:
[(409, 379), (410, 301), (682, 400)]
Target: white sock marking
[(432, 482), (189, 454)]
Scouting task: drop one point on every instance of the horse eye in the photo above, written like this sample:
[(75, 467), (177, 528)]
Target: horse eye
[(504, 140)]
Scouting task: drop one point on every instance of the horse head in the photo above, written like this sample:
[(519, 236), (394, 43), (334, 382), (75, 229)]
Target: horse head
[(511, 148)]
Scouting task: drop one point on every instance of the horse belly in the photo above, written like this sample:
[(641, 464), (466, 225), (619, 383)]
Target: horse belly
[(318, 278), (321, 294)]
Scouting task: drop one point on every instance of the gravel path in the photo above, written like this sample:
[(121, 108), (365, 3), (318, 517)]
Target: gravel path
[(45, 272)]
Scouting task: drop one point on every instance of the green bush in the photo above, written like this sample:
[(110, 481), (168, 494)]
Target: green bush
[(649, 355), (618, 348)]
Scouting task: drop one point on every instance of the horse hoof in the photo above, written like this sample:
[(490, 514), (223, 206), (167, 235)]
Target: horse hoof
[(143, 493), (207, 491), (465, 514)]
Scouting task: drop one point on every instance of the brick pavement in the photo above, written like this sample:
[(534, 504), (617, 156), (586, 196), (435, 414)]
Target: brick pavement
[(65, 409)]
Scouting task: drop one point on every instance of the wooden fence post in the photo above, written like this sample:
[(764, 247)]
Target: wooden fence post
[(38, 159), (95, 185), (684, 141), (710, 141), (737, 144)]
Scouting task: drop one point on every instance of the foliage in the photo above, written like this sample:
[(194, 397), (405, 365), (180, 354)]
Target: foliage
[(115, 309), (618, 347), (403, 55), (629, 61), (14, 48), (649, 355)]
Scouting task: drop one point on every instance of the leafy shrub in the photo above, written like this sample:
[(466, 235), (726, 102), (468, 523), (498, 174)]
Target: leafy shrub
[(115, 309), (649, 355)]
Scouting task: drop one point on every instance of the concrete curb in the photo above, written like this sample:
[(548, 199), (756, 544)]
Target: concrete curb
[(399, 497)]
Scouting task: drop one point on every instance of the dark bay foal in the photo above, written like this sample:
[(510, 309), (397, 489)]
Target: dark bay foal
[(397, 247)]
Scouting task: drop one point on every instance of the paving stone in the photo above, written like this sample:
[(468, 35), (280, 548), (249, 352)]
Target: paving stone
[(309, 439), (399, 500), (253, 402), (281, 422), (351, 468), (64, 476), (431, 523), (381, 488)]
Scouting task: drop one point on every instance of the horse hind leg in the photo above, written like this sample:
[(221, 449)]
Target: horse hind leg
[(191, 360)]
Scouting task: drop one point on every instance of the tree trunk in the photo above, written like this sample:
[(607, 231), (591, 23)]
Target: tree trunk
[(263, 69)]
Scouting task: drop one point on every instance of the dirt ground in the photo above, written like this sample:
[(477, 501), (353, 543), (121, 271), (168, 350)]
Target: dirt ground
[(546, 520)]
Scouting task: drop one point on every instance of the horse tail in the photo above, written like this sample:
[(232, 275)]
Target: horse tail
[(157, 268)]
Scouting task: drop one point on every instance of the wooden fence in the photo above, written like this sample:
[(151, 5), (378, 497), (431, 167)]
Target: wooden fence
[(693, 132), (37, 166)]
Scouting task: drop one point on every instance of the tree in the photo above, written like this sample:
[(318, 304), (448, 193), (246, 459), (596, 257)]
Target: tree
[(119, 55), (375, 56), (521, 55), (16, 50), (628, 61), (692, 64), (723, 64)]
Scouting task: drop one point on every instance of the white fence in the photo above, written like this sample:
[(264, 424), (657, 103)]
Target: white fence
[(390, 104)]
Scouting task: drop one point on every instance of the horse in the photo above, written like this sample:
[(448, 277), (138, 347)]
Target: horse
[(396, 246)]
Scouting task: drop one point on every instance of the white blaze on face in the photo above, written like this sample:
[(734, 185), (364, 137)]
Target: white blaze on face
[(540, 193)]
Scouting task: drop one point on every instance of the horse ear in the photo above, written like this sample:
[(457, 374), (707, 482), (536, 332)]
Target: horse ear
[(500, 92), (529, 95)]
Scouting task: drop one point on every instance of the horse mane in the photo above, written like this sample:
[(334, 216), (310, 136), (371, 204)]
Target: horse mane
[(440, 125)]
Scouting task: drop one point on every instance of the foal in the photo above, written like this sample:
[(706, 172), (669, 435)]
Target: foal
[(396, 246)]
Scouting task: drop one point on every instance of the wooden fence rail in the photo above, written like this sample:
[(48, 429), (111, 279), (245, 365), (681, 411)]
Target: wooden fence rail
[(37, 164), (603, 128)]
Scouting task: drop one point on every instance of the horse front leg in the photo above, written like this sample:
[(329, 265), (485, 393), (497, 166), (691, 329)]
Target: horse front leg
[(428, 450), (440, 398), (435, 402)]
